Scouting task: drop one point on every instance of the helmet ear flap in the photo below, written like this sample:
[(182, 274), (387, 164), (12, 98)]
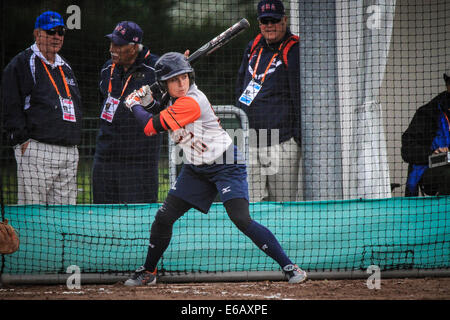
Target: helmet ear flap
[(163, 85), (191, 78)]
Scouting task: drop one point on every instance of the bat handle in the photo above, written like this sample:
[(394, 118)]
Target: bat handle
[(164, 100), (155, 88)]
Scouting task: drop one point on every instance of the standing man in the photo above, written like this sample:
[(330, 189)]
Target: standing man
[(427, 134), (267, 90), (126, 161), (42, 116)]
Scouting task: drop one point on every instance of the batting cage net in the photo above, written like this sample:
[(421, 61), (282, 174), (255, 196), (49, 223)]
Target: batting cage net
[(322, 101)]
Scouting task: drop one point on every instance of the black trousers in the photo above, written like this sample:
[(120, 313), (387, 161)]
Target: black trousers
[(436, 181), (125, 182)]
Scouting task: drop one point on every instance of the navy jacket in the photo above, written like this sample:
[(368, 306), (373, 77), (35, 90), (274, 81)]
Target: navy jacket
[(277, 105), (417, 140), (427, 131), (123, 139), (31, 105)]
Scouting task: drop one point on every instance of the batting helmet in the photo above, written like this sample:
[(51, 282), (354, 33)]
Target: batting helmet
[(172, 64)]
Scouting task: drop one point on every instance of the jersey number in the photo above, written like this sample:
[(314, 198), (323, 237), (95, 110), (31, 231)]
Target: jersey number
[(196, 144)]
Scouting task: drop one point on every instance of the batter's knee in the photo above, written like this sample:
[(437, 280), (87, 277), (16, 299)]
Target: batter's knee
[(238, 211), (172, 209)]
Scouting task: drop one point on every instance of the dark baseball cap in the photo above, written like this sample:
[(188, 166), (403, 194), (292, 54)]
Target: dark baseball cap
[(126, 32), (270, 8), (48, 20), (447, 76)]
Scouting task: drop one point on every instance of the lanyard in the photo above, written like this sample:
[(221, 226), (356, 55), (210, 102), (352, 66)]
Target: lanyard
[(128, 80), (268, 66), (53, 81), (124, 87)]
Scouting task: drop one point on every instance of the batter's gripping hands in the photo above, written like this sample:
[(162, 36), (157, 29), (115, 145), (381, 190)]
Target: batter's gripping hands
[(142, 96), (146, 95)]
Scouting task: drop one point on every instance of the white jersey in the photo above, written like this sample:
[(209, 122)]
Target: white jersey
[(196, 128)]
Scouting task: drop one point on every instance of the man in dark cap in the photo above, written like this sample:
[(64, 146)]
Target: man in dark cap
[(125, 166), (267, 89), (428, 134), (42, 116)]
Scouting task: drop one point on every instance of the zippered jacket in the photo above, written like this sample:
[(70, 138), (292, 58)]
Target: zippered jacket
[(122, 138), (428, 130), (277, 105), (31, 105)]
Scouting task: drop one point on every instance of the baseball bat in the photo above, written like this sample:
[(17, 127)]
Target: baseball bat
[(213, 45), (220, 40)]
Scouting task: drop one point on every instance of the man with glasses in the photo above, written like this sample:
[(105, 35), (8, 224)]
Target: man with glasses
[(268, 90), (42, 116), (126, 161)]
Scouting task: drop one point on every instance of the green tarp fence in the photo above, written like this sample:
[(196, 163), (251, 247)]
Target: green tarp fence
[(395, 233)]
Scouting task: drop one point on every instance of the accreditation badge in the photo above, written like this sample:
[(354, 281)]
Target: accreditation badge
[(250, 92), (68, 109), (109, 108)]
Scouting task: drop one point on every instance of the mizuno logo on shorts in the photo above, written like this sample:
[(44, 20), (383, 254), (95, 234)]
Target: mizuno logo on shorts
[(226, 189)]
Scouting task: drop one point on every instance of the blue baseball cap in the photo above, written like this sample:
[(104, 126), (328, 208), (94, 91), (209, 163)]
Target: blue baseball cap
[(126, 32), (270, 8), (48, 20)]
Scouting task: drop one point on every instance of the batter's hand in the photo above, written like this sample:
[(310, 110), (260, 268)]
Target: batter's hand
[(146, 95), (132, 99)]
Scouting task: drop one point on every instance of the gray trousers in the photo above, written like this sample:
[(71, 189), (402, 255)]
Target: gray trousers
[(46, 174), (274, 173)]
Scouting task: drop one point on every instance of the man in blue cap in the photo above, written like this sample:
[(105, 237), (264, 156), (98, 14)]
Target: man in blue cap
[(125, 166), (268, 90), (42, 115)]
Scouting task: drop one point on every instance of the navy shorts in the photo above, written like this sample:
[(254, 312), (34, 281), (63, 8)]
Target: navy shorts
[(199, 185)]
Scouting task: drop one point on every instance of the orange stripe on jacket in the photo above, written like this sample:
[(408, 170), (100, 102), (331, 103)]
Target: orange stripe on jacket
[(184, 111), (149, 130)]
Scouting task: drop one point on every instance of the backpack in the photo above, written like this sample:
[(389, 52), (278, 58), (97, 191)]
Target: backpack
[(284, 48)]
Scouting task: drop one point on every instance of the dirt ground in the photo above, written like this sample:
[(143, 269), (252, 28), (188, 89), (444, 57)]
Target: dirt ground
[(390, 289)]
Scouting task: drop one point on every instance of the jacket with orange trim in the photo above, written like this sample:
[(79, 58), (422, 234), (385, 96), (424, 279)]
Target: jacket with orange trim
[(30, 104), (123, 139), (277, 105)]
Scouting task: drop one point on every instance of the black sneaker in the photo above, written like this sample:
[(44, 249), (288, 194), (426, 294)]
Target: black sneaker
[(142, 277)]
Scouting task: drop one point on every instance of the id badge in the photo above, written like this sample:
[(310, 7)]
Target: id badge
[(109, 109), (250, 92), (68, 109)]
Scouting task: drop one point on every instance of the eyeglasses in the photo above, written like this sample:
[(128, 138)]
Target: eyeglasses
[(52, 32), (269, 20)]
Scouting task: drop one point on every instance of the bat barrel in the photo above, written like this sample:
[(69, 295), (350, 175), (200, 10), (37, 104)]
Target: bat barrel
[(213, 45), (220, 40)]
